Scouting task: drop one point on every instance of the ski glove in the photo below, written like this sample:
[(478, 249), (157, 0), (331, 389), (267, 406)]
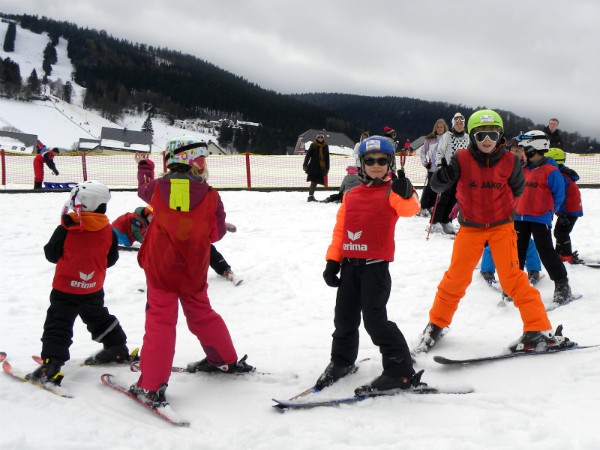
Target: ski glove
[(55, 172), (330, 275), (445, 173), (402, 185)]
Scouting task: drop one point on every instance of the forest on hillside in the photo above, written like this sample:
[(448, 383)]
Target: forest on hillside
[(123, 76)]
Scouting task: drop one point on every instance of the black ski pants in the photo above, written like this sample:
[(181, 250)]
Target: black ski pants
[(446, 202), (562, 234), (60, 318), (365, 288), (217, 261), (542, 236), (428, 196)]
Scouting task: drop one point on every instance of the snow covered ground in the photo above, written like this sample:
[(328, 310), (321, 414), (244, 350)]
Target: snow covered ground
[(281, 316)]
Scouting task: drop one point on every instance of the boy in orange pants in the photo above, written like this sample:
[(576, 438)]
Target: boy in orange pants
[(488, 179)]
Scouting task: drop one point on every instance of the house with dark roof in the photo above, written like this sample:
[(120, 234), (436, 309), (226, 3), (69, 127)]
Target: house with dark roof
[(337, 142), (18, 142), (124, 140)]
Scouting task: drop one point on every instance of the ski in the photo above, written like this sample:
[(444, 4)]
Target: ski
[(165, 413), (283, 405), (552, 306), (231, 277), (447, 361), (134, 366), (55, 389), (311, 390)]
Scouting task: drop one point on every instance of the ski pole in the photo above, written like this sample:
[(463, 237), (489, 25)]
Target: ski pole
[(437, 200)]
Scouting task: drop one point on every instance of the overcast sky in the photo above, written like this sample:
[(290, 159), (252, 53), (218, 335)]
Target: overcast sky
[(537, 58)]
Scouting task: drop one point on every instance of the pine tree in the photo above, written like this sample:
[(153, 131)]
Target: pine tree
[(147, 126), (9, 38)]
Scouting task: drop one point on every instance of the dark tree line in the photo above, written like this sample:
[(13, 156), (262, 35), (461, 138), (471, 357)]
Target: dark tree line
[(9, 38)]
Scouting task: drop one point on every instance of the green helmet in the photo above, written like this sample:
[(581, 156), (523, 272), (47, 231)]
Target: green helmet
[(557, 155), (484, 117)]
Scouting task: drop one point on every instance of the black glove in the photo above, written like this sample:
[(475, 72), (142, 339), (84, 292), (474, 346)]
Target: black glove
[(305, 169), (563, 219), (55, 172), (445, 173), (402, 185), (428, 165), (569, 172), (330, 275)]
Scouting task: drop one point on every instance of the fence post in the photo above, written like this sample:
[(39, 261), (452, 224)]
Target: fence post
[(84, 166), (325, 180), (164, 161), (248, 175), (3, 167)]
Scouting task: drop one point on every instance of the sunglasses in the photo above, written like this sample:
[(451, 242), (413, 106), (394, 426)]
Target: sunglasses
[(320, 137), (383, 161), (491, 135)]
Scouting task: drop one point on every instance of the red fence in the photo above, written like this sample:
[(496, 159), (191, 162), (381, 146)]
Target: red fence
[(234, 171)]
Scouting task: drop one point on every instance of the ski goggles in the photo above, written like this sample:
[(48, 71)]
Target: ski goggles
[(491, 135), (383, 161)]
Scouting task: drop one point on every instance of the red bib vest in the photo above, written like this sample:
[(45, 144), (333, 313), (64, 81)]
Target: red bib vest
[(369, 223), (537, 197), (82, 267), (573, 196), (483, 193), (175, 252)]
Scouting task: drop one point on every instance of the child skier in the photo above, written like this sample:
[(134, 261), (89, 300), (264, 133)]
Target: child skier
[(82, 247), (350, 181), (362, 247), (44, 156), (188, 216), (487, 181), (569, 211), (131, 227)]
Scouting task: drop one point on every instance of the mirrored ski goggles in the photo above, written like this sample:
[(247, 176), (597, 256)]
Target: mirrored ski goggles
[(383, 161), (481, 135)]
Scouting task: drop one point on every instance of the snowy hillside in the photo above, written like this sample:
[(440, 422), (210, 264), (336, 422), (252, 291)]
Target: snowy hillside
[(282, 317), (57, 123)]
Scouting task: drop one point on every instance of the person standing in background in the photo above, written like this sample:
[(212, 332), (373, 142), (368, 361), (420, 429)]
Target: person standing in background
[(316, 165)]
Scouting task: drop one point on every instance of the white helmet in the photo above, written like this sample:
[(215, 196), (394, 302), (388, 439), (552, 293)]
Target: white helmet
[(534, 141), (90, 194), (186, 150)]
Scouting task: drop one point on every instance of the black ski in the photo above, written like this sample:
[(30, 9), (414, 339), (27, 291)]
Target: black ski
[(448, 361), (283, 405), (552, 306)]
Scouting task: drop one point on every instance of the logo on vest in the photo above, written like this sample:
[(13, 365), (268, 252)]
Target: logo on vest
[(490, 185), (531, 184), (351, 245), (82, 284)]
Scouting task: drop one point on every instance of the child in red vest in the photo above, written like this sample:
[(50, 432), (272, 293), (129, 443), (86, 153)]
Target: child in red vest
[(131, 227), (543, 195), (569, 211), (362, 248), (487, 179), (188, 217), (82, 248)]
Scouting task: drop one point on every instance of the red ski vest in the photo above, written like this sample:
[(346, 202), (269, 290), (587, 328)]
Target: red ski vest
[(483, 193), (537, 197), (82, 267), (369, 223), (572, 196), (175, 252)]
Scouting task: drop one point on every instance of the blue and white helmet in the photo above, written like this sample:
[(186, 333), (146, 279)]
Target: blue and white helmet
[(376, 144), (534, 141), (186, 150)]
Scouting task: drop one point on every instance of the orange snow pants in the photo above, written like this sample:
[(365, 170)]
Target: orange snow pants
[(467, 251)]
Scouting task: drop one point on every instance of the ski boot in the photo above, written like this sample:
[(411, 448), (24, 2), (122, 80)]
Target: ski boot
[(48, 372), (489, 278), (237, 367), (116, 353), (333, 373), (311, 198), (562, 291), (154, 399), (541, 341), (385, 383), (431, 335), (534, 277)]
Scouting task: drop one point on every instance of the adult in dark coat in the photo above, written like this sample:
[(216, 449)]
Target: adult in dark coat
[(316, 165), (553, 133)]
